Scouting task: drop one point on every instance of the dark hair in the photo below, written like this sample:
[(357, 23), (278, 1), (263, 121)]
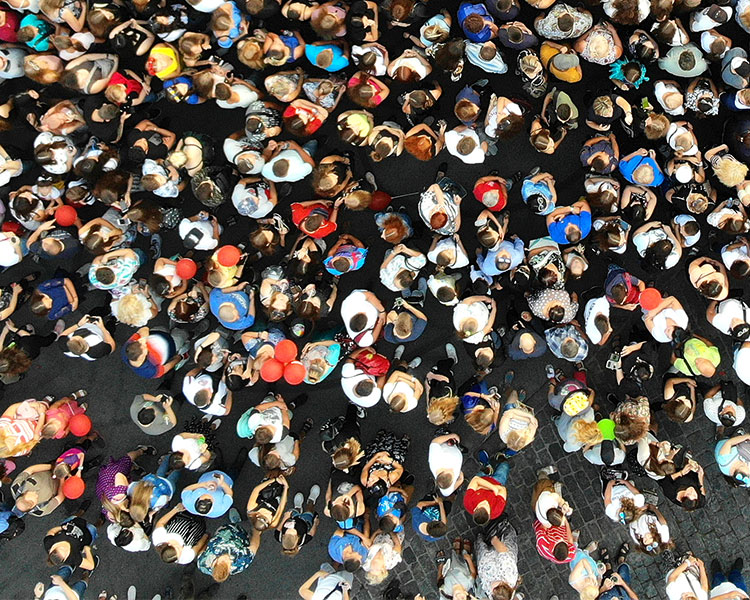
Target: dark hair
[(358, 322), (176, 461), (436, 529), (480, 515), (136, 155), (560, 551), (204, 506), (123, 538), (364, 387), (37, 304), (555, 516), (556, 313), (146, 415), (352, 564)]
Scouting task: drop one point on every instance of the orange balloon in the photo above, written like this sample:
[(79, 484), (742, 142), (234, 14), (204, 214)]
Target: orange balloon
[(228, 256), (186, 268), (294, 373), (79, 425), (271, 371), (66, 215), (650, 298), (73, 487), (286, 351)]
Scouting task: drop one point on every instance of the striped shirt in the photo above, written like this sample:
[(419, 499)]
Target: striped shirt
[(548, 538)]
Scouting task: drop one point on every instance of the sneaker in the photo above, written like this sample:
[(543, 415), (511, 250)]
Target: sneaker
[(79, 394), (415, 362), (147, 450), (299, 498), (450, 350), (521, 396), (215, 424), (738, 565), (361, 413), (154, 248), (550, 372), (483, 457), (234, 515), (131, 593), (399, 352), (306, 426), (509, 375), (314, 493)]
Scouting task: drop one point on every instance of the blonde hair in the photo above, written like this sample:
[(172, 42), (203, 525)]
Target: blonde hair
[(480, 420), (132, 309), (517, 440), (441, 411), (590, 592), (587, 432), (140, 500), (220, 571), (730, 171)]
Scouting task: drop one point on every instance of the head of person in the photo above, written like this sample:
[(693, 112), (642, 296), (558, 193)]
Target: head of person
[(502, 591), (444, 479), (167, 553), (124, 538)]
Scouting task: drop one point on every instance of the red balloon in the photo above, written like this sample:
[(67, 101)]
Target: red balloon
[(380, 200), (186, 268), (66, 215), (271, 371), (650, 298), (229, 256), (294, 373), (73, 487), (79, 425), (286, 351)]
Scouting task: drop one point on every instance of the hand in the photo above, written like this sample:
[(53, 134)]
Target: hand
[(57, 580), (616, 579)]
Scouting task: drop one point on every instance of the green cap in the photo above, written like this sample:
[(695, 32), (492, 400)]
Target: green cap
[(607, 427)]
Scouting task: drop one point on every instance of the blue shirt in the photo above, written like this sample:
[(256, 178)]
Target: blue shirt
[(338, 543), (55, 289), (222, 501), (514, 249), (355, 254), (467, 9), (629, 165), (241, 302), (162, 493), (339, 60), (582, 221), (424, 515)]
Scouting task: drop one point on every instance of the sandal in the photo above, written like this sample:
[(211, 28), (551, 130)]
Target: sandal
[(456, 545), (603, 555), (440, 557), (622, 553), (468, 547)]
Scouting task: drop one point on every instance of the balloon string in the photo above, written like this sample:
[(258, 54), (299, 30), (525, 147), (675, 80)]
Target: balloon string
[(404, 195)]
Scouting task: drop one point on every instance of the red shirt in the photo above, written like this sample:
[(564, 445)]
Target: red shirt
[(547, 539), (132, 86), (492, 186), (301, 211), (8, 32), (472, 498)]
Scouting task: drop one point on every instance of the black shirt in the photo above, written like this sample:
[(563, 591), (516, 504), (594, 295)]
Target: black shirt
[(106, 131), (77, 534)]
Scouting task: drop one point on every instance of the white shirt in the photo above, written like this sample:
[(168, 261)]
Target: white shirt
[(192, 385), (595, 307), (660, 90), (726, 588), (742, 363), (546, 501), (8, 249), (353, 304), (206, 6), (160, 536), (233, 148), (140, 542), (350, 377), (403, 388), (206, 229), (478, 311), (452, 139), (445, 456), (659, 331), (730, 256), (619, 493), (728, 310), (686, 583), (190, 450), (712, 404), (448, 243), (298, 168), (401, 262)]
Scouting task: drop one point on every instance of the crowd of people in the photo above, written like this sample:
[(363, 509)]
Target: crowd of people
[(223, 269)]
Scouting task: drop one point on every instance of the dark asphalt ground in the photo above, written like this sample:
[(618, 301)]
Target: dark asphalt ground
[(719, 530)]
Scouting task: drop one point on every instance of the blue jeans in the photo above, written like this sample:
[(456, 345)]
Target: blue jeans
[(734, 577), (173, 477), (618, 592), (500, 473), (307, 517), (79, 587)]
